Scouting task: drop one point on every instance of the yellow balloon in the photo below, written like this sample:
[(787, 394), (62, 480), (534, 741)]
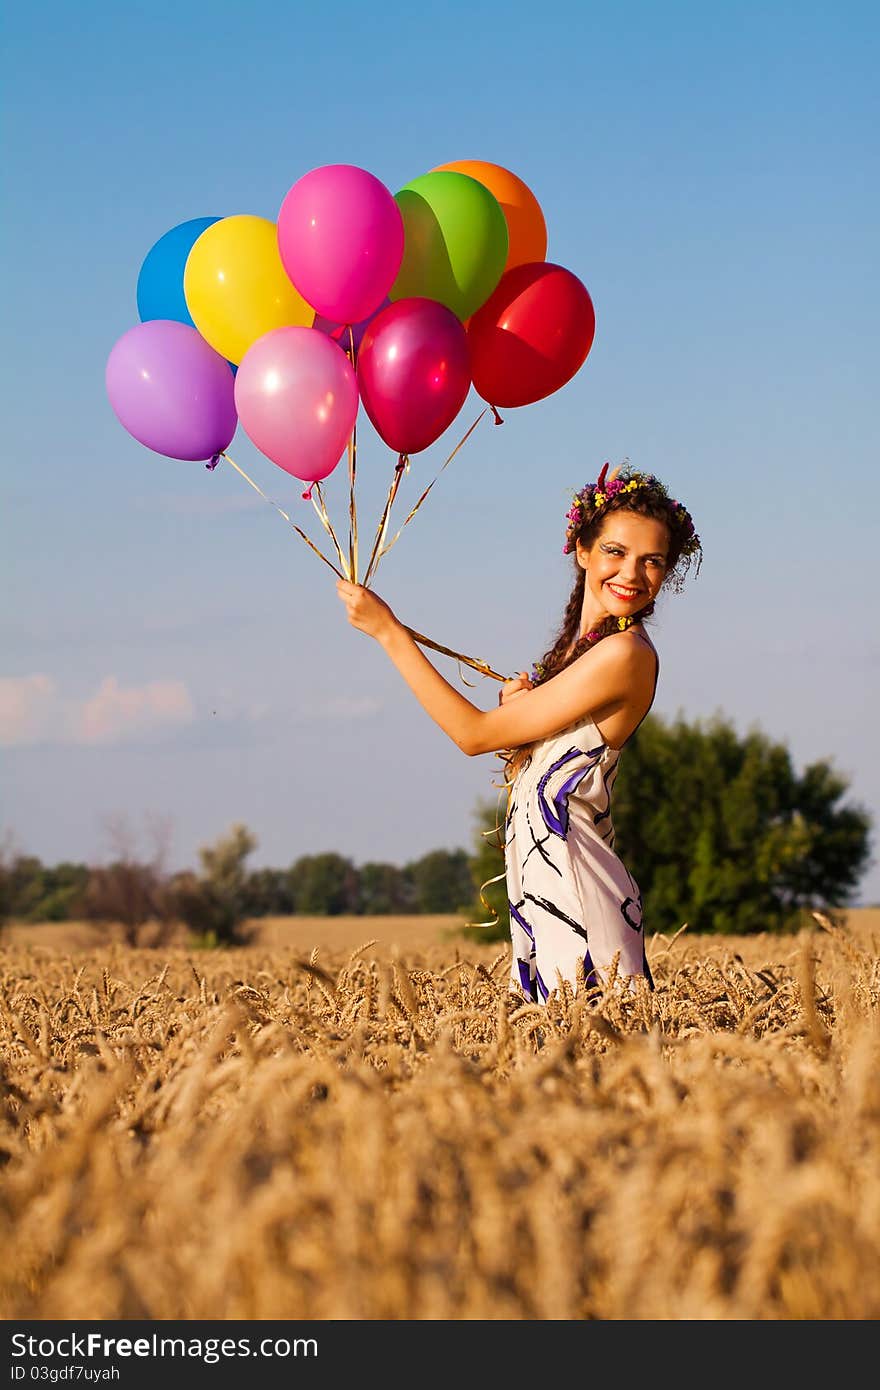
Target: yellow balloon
[(236, 287)]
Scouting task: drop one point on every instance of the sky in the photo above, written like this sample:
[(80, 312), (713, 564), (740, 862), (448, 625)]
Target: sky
[(172, 652)]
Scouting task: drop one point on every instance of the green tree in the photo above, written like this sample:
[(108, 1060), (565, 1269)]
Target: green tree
[(325, 885), (384, 888), (720, 831), (31, 891), (441, 880), (269, 893), (214, 904)]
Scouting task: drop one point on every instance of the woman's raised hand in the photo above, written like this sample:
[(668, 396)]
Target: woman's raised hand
[(517, 686), (365, 609)]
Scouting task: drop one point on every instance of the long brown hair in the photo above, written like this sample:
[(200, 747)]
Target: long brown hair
[(649, 501)]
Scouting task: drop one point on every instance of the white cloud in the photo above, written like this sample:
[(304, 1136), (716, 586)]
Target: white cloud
[(28, 706), (33, 710)]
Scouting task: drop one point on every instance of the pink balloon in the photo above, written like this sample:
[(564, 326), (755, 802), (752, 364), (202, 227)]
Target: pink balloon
[(413, 372), (297, 398), (340, 236)]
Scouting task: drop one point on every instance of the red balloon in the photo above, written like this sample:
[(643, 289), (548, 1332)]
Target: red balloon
[(532, 334), (414, 372)]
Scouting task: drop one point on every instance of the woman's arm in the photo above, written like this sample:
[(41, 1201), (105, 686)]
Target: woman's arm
[(594, 681)]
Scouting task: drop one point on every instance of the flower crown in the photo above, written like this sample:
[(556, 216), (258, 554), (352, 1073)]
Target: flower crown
[(588, 503)]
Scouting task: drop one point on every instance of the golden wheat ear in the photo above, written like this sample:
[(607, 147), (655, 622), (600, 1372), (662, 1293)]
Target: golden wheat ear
[(613, 474)]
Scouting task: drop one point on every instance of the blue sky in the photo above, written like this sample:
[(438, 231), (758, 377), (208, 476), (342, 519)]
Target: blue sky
[(710, 172)]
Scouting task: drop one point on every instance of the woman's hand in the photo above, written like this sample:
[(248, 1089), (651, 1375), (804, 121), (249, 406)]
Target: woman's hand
[(366, 610), (517, 686)]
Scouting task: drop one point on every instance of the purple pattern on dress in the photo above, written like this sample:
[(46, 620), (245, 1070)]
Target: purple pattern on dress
[(518, 917), (557, 818), (525, 979), (591, 978)]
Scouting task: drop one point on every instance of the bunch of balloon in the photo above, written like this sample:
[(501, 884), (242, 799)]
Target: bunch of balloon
[(399, 301)]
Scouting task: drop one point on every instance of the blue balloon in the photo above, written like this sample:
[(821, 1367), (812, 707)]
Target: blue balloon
[(160, 283)]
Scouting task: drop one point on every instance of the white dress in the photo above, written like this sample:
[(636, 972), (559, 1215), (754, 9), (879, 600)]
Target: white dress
[(571, 899)]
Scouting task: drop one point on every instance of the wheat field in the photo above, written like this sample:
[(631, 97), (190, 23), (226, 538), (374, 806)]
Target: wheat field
[(386, 1134)]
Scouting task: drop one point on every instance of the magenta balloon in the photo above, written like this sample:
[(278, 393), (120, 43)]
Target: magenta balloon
[(339, 332), (171, 390), (413, 372), (297, 398), (340, 236)]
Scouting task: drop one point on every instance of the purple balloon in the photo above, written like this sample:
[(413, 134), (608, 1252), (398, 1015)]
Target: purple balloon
[(171, 390), (339, 332), (414, 372)]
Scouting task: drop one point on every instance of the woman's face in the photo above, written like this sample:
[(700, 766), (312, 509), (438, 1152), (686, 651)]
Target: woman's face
[(626, 565)]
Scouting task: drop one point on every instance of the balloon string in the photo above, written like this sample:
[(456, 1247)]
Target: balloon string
[(483, 667), (256, 487), (321, 508), (352, 504), (458, 446), (498, 877), (382, 528), (474, 662), (471, 685)]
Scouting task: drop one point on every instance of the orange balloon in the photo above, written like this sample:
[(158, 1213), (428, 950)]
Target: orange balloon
[(525, 220)]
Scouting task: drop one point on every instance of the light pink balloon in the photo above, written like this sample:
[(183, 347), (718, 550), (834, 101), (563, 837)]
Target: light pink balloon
[(340, 236), (297, 398)]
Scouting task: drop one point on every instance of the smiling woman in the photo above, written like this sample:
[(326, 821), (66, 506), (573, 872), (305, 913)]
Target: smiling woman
[(573, 904)]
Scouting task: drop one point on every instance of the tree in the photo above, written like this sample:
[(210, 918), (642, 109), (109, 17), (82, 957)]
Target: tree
[(385, 888), (325, 885), (721, 832), (131, 891), (31, 891), (441, 880), (269, 893), (215, 903)]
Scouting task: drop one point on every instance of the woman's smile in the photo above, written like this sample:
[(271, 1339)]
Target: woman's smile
[(623, 592)]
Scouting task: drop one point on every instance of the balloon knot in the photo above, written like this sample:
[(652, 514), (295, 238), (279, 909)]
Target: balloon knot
[(497, 418), (212, 464), (402, 462), (307, 495)]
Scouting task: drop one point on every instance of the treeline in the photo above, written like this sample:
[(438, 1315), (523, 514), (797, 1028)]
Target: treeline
[(719, 830), (216, 900)]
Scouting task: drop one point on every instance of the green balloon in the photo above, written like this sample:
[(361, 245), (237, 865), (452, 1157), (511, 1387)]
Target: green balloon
[(456, 241)]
